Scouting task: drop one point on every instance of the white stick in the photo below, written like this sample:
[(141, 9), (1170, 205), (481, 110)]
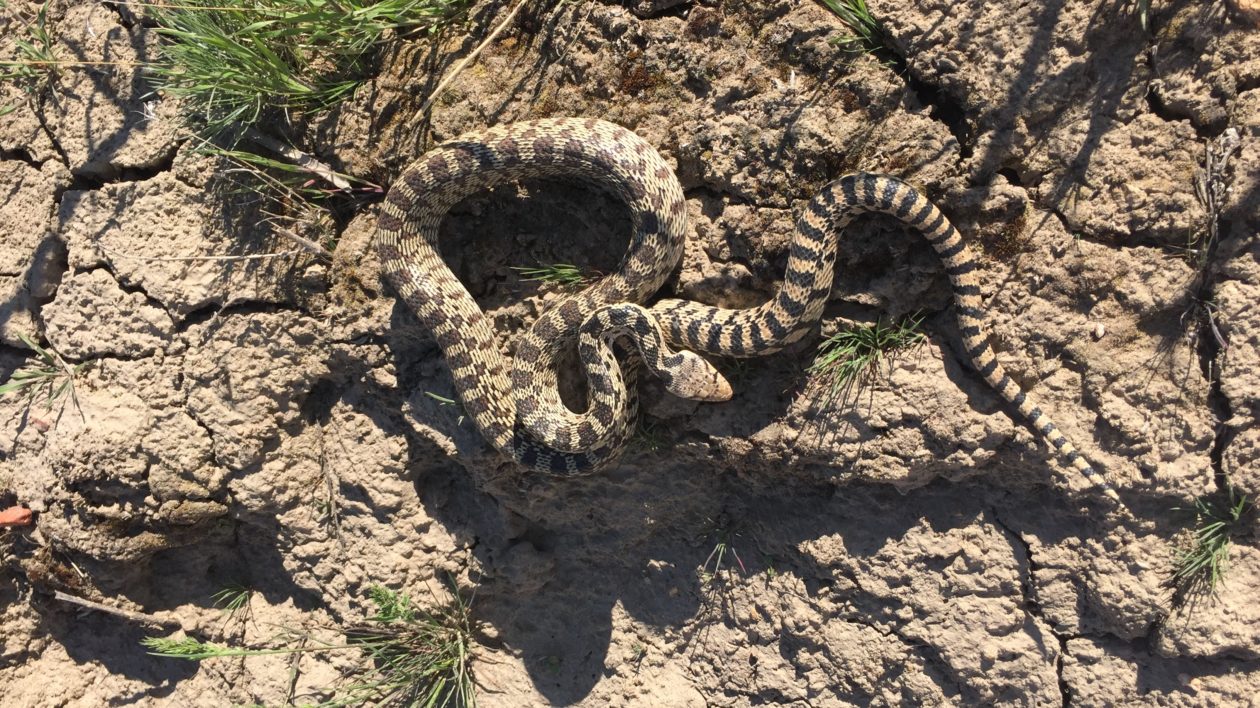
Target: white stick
[(116, 611), (463, 64)]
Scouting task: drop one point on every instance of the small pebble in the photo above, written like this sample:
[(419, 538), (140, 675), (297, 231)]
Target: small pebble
[(1099, 330)]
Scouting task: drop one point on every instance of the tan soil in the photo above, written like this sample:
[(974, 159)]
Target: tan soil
[(266, 422)]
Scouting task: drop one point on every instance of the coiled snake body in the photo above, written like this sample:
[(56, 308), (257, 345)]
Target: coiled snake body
[(516, 406)]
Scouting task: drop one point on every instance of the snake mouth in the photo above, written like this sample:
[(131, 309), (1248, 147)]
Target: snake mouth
[(720, 391)]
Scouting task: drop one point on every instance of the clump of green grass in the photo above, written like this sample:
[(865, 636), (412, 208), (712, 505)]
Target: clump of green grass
[(564, 275), (650, 435), (422, 656), (852, 357), (36, 62), (1201, 566), (868, 35), (235, 60), (419, 657), (234, 601), (49, 377)]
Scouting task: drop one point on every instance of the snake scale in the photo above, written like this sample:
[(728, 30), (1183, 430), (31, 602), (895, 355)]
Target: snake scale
[(515, 404)]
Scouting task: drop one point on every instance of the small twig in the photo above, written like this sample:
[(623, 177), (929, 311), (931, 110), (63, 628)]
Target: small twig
[(301, 159), (304, 242), (295, 672), (182, 259), (116, 611), (330, 486), (1210, 311), (463, 64)]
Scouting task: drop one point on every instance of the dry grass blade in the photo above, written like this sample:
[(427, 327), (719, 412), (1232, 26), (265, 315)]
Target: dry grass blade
[(472, 56), (36, 63)]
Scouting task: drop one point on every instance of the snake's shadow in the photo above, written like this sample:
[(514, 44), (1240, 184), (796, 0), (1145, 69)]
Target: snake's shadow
[(591, 577)]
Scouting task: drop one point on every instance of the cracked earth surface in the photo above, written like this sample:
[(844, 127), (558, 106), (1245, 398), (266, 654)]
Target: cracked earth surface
[(276, 421)]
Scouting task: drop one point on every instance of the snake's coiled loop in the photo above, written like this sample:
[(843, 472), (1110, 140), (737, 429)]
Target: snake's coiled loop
[(519, 410)]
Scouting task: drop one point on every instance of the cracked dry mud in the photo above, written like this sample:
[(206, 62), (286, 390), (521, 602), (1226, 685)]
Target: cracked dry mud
[(267, 421)]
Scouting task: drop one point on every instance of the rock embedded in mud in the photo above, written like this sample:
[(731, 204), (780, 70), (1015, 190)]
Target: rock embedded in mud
[(31, 254)]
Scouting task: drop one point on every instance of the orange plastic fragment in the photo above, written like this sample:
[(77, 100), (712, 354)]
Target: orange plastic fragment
[(15, 516)]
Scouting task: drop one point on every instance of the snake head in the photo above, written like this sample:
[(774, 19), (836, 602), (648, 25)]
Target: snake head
[(696, 379)]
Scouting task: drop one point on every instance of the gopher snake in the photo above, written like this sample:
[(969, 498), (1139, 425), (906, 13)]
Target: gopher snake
[(518, 410)]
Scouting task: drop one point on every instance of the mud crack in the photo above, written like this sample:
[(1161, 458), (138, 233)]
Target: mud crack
[(892, 629), (945, 110), (1212, 354), (941, 106), (215, 310), (1212, 183), (112, 174), (1031, 605), (129, 287)]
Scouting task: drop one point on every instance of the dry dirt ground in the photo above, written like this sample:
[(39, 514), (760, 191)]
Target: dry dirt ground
[(266, 421)]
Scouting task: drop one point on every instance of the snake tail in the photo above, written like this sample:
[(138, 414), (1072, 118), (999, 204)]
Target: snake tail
[(887, 195)]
